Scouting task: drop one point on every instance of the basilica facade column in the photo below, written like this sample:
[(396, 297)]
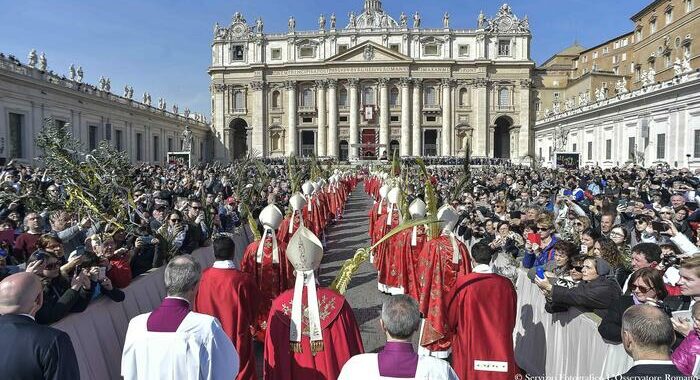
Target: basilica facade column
[(291, 87), (259, 127), (354, 120), (417, 131), (384, 129), (446, 149), (481, 121), (321, 107), (405, 117), (332, 118)]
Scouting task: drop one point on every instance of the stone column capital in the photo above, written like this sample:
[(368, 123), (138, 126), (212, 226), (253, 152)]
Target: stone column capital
[(405, 82), (320, 84), (383, 82), (447, 82), (417, 82), (258, 85), (332, 83), (290, 85), (353, 82)]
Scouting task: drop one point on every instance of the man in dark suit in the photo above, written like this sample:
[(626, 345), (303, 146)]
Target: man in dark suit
[(30, 350), (647, 335)]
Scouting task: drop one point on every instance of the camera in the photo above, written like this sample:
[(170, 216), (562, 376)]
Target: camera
[(670, 260)]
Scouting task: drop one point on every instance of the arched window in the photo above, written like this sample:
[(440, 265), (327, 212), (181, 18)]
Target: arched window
[(463, 97), (504, 97), (394, 96), (307, 98), (430, 96), (275, 141), (343, 97), (368, 96), (238, 100), (276, 99)]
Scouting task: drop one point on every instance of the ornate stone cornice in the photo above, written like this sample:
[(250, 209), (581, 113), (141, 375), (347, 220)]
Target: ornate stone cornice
[(258, 85)]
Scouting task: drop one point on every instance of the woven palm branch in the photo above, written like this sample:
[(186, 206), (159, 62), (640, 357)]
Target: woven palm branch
[(431, 200)]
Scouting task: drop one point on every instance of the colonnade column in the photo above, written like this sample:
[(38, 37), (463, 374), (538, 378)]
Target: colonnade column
[(332, 118), (354, 120), (321, 107), (259, 127), (405, 117), (384, 130), (446, 118), (291, 87), (417, 116)]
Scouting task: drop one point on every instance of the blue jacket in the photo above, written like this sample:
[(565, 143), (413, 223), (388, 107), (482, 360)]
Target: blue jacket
[(533, 260)]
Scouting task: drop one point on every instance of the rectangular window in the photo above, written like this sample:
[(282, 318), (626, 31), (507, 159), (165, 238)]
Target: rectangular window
[(549, 157), (616, 70), (504, 48), (139, 147), (156, 149), (307, 52), (639, 35), (667, 60), (660, 146), (307, 120), (237, 53), (688, 6), (608, 149), (431, 119), (631, 147), (669, 16), (119, 142), (431, 49), (624, 57), (394, 119), (395, 47), (696, 150), (276, 54), (617, 45), (590, 150), (344, 119), (92, 137), (540, 152), (652, 26), (342, 49), (595, 55), (463, 50), (170, 144), (108, 132), (16, 130), (605, 50), (573, 147)]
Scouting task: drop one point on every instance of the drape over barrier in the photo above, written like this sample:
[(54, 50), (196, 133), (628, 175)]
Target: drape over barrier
[(98, 333), (562, 344)]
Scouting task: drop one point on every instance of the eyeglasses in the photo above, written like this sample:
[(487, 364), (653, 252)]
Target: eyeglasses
[(642, 289), (577, 268), (641, 221), (196, 207), (540, 229), (175, 220), (665, 213)]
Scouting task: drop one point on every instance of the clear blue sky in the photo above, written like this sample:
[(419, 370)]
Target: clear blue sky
[(163, 46)]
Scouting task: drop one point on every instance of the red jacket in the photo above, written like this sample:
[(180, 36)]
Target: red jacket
[(120, 273)]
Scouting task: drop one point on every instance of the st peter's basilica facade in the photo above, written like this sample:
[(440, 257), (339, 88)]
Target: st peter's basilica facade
[(364, 86)]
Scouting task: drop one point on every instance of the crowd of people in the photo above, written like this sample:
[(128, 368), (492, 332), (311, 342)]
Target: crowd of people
[(448, 242)]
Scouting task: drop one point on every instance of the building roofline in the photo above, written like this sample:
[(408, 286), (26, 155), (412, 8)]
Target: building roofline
[(653, 4), (607, 42)]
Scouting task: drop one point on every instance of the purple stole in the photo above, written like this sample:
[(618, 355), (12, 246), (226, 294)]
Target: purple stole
[(398, 359), (168, 316)]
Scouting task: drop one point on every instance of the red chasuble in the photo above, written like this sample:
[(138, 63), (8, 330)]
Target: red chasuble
[(283, 233), (341, 339), (405, 258), (232, 296), (313, 220), (380, 230), (271, 279), (481, 312), (436, 276), (374, 214)]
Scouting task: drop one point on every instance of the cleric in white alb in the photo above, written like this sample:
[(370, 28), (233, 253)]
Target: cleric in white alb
[(175, 343)]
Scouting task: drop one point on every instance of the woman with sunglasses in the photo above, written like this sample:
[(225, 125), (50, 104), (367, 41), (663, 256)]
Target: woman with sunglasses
[(539, 248), (173, 231), (620, 236), (647, 287), (61, 296)]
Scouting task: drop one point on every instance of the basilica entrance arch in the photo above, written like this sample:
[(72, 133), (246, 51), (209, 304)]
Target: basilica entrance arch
[(501, 137), (430, 138), (343, 151), (238, 139)]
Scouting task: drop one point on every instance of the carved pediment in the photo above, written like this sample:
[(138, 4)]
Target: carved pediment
[(306, 42), (432, 40), (369, 51)]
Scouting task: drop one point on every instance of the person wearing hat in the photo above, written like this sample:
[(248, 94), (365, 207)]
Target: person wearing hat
[(266, 260), (291, 223), (378, 209), (384, 254), (596, 292), (317, 322), (441, 260), (313, 218), (409, 243)]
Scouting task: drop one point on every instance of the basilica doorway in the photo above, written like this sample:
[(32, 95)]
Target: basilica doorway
[(308, 143), (430, 142), (501, 137), (343, 151), (393, 147), (238, 139), (369, 141)]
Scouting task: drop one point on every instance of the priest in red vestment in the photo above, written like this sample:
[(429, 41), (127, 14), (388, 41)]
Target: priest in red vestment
[(440, 262), (232, 297), (312, 331), (312, 213), (292, 222), (266, 260), (378, 209), (385, 254), (408, 245), (482, 308)]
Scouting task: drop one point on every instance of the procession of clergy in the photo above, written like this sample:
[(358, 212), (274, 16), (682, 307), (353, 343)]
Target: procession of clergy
[(310, 332)]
